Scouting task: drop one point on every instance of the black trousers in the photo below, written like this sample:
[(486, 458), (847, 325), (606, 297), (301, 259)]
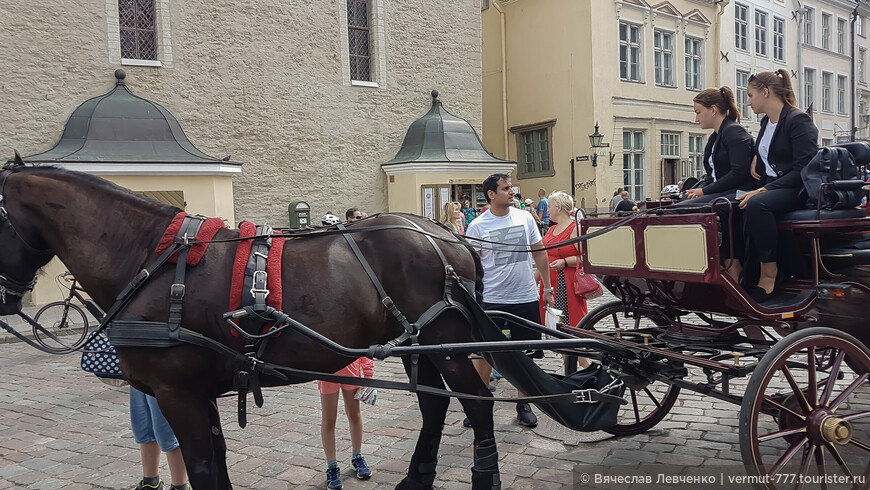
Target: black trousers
[(726, 212), (760, 216)]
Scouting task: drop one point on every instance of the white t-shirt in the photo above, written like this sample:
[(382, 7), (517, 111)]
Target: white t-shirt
[(508, 276), (710, 161), (764, 147)]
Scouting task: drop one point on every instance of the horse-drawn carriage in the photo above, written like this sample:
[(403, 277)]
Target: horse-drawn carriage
[(402, 285)]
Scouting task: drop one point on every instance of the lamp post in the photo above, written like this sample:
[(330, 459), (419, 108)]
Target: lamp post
[(595, 141)]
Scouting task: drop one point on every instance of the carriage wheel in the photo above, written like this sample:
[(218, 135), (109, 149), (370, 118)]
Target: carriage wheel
[(820, 408), (649, 401)]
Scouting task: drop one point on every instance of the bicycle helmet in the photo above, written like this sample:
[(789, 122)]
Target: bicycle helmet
[(670, 191), (329, 220)]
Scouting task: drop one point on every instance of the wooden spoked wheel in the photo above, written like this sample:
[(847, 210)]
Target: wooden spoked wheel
[(805, 417), (649, 401)]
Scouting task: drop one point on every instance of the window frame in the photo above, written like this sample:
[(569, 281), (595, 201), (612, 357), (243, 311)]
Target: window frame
[(696, 156), (665, 53), (672, 143), (690, 59), (862, 66), (741, 97), (842, 94), (760, 32), (809, 33), (842, 35), (635, 158), (827, 82), (629, 47), (825, 31), (778, 38), (550, 171), (738, 22), (809, 87)]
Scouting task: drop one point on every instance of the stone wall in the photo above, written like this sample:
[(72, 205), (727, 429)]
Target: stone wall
[(262, 82)]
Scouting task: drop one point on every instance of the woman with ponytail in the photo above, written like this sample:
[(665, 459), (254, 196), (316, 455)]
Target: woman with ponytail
[(726, 159), (786, 142)]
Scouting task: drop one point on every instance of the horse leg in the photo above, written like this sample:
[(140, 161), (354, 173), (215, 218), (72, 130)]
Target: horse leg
[(421, 472), (197, 426), (461, 376)]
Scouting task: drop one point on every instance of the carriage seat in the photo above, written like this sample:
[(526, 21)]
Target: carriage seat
[(843, 251), (810, 214)]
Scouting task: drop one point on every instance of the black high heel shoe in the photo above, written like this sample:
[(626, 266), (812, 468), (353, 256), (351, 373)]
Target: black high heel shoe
[(758, 294)]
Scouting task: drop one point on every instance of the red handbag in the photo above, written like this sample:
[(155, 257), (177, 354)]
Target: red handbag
[(585, 285)]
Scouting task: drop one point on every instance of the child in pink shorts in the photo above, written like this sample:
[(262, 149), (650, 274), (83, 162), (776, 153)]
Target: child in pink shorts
[(361, 368)]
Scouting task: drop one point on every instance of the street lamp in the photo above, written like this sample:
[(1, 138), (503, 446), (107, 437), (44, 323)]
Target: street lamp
[(595, 141)]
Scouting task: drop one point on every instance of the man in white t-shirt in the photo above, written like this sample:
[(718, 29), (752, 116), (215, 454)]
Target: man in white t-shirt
[(508, 276)]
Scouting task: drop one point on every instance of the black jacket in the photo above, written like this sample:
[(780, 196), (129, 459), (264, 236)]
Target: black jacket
[(732, 159), (794, 144)]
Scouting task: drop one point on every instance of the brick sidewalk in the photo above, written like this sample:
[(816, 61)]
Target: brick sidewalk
[(61, 428)]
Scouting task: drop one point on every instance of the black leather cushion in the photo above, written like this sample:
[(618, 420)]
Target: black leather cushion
[(810, 214)]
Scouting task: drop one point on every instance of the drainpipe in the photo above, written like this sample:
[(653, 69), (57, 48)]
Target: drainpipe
[(504, 113), (802, 12), (718, 39)]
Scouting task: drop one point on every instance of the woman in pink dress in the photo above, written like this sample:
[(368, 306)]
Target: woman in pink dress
[(563, 260)]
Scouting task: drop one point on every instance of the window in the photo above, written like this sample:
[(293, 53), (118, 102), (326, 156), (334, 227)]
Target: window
[(778, 39), (809, 86), (761, 33), (629, 52), (696, 155), (859, 26), (358, 40), (809, 29), (841, 36), (841, 94), (694, 68), (741, 15), (138, 37), (827, 82), (741, 81), (533, 148), (827, 141), (671, 145), (663, 42), (632, 164), (862, 62), (826, 31)]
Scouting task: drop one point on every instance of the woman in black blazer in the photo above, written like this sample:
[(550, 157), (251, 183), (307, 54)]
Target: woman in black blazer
[(786, 142), (727, 157)]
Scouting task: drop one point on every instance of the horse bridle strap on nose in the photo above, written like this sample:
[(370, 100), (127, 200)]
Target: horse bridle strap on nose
[(13, 287)]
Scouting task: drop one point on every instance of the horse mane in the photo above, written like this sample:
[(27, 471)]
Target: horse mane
[(97, 183)]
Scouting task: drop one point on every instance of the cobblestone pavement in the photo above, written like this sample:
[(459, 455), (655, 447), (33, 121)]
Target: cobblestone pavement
[(61, 428)]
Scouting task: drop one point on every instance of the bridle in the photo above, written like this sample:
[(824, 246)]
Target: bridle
[(9, 286)]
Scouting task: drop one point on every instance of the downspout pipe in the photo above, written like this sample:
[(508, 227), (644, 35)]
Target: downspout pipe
[(504, 114), (718, 39)]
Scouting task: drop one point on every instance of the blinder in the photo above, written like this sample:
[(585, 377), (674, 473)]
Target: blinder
[(9, 286)]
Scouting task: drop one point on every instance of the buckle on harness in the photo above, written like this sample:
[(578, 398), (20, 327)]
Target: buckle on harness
[(176, 290), (259, 284), (584, 396)]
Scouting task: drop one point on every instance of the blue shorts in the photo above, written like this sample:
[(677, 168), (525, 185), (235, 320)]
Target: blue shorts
[(148, 422)]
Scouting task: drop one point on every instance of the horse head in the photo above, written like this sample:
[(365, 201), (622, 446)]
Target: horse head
[(23, 253)]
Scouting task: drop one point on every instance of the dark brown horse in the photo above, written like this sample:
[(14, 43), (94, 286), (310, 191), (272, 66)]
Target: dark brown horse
[(105, 235)]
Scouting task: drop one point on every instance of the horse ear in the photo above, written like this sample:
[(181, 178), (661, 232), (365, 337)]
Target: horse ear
[(18, 160)]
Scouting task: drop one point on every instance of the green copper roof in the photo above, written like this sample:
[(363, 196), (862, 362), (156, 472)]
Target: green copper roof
[(119, 127), (439, 136)]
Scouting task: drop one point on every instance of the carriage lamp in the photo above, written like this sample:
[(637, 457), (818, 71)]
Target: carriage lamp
[(595, 141)]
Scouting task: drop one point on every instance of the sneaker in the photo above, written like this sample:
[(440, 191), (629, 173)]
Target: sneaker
[(363, 472), (466, 422), (496, 375), (525, 416), (185, 486), (143, 486), (333, 478), (492, 387)]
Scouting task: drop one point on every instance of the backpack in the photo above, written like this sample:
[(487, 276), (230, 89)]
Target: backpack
[(829, 165)]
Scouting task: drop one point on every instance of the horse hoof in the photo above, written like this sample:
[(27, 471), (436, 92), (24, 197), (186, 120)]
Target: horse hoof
[(485, 480), (408, 484)]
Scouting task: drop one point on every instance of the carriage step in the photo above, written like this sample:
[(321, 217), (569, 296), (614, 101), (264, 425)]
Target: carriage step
[(786, 299)]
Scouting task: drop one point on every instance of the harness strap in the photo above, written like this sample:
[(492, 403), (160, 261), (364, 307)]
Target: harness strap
[(385, 299), (185, 238)]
